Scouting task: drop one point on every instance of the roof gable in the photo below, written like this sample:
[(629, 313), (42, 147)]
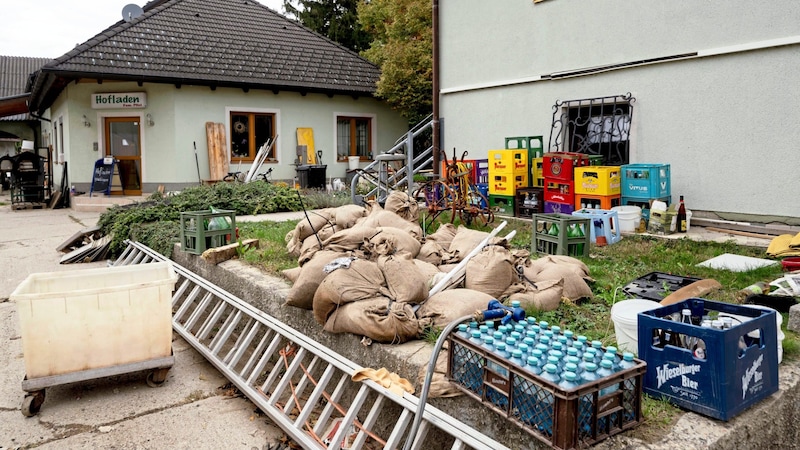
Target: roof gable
[(14, 74), (238, 43)]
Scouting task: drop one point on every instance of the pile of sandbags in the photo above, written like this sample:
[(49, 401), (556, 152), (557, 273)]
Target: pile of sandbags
[(369, 270)]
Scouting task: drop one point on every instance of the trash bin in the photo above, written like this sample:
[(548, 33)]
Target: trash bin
[(312, 175)]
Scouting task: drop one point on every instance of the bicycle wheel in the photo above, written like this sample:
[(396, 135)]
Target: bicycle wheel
[(476, 207), (438, 198)]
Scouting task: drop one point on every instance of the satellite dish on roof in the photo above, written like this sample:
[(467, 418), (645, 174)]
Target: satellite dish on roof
[(131, 11)]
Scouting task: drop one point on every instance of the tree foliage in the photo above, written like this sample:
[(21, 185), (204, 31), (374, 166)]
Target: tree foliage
[(335, 19), (402, 45)]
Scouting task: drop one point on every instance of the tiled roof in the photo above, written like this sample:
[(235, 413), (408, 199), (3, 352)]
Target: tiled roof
[(14, 73), (239, 43)]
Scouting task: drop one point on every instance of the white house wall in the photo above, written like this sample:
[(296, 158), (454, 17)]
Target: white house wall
[(179, 117), (724, 122)]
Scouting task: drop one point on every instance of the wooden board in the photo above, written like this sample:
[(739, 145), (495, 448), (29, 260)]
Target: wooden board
[(217, 151), (305, 136)]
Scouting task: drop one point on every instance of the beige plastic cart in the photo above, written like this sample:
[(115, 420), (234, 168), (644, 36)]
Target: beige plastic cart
[(93, 323)]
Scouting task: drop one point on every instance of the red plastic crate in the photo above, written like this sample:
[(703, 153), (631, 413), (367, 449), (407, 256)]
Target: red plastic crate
[(559, 191), (561, 165)]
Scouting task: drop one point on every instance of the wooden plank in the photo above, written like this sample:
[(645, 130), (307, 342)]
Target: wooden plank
[(222, 253), (217, 151), (743, 226), (77, 238), (305, 136), (741, 233)]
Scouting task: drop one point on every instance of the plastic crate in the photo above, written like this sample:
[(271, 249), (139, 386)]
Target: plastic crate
[(533, 144), (482, 171), (508, 161), (502, 204), (506, 184), (597, 180), (646, 180), (596, 201), (561, 165), (558, 208), (643, 202), (537, 172), (728, 380), (542, 241), (656, 285), (198, 231), (471, 166), (563, 419), (603, 223), (526, 211), (560, 191), (595, 160), (483, 188)]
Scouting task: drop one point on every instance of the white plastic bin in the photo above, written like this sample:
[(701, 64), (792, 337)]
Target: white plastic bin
[(625, 315), (86, 319)]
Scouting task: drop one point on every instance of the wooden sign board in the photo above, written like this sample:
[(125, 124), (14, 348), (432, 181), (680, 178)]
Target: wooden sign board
[(101, 177)]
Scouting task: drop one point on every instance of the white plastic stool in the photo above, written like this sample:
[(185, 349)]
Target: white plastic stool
[(603, 223)]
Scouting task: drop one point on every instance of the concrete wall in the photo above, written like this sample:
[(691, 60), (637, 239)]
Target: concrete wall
[(179, 117), (724, 120)]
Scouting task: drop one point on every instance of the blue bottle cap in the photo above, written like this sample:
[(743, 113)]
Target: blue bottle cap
[(582, 338), (590, 367), (551, 368), (475, 333), (627, 356), (606, 364), (570, 376), (569, 367), (597, 344), (533, 361)]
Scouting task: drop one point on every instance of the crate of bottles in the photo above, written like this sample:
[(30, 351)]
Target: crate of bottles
[(201, 230), (645, 180), (529, 201), (585, 201), (508, 161), (561, 191), (597, 180), (506, 183), (560, 234), (482, 171), (521, 374), (561, 165), (558, 208), (502, 204), (716, 359), (536, 174)]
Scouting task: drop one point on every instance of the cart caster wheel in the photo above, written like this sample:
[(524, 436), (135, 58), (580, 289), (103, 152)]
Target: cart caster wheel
[(157, 378), (32, 403)]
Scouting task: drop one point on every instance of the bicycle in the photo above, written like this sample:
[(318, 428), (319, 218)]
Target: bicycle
[(240, 177)]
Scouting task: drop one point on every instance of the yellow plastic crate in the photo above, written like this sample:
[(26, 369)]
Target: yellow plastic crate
[(598, 180), (508, 161), (537, 172), (503, 184)]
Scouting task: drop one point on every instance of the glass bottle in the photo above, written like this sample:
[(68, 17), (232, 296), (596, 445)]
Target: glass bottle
[(681, 226), (687, 341)]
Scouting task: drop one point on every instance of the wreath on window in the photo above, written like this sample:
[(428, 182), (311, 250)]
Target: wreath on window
[(239, 127)]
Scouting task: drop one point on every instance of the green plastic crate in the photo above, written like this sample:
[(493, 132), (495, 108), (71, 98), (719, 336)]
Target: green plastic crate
[(502, 204), (199, 230), (543, 242)]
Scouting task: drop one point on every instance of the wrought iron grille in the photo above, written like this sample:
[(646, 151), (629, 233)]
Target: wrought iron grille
[(595, 126)]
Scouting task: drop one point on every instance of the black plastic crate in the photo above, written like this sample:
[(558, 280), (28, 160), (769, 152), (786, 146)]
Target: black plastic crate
[(656, 285), (563, 419)]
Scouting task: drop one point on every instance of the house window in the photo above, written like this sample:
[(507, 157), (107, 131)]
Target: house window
[(596, 127), (354, 137), (249, 131)]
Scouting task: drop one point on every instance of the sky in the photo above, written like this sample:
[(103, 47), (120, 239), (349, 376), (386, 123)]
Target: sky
[(51, 28)]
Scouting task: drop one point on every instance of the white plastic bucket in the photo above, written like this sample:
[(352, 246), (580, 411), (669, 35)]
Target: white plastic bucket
[(625, 315), (778, 320), (629, 217), (353, 161)]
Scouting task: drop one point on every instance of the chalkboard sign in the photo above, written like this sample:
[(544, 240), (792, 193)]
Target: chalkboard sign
[(101, 178)]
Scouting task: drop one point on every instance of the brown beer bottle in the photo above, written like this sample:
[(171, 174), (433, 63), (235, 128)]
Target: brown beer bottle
[(681, 217)]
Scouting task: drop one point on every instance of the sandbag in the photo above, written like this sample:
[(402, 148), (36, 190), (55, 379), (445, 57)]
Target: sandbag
[(301, 295), (293, 244), (463, 243), (292, 274), (449, 305), (490, 271), (389, 241), (540, 264), (431, 252), (379, 319), (349, 239), (575, 286), (318, 220), (362, 280), (347, 215), (404, 283), (427, 270), (443, 236), (440, 385), (545, 296), (404, 206), (383, 218), (313, 244)]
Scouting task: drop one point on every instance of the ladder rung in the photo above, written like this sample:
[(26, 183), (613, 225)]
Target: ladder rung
[(301, 385), (242, 343), (200, 308), (399, 429), (349, 418), (262, 363), (262, 344), (287, 375), (225, 332), (184, 307), (322, 383), (322, 421), (369, 422)]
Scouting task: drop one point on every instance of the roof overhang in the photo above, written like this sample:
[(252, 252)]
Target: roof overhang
[(14, 105)]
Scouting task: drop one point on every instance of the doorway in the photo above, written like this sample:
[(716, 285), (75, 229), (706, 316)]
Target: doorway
[(123, 142)]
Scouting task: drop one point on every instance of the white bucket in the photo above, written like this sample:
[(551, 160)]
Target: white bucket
[(353, 161), (778, 320), (629, 217), (624, 314)]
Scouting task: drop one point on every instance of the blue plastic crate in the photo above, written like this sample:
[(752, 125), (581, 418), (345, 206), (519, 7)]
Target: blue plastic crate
[(646, 180), (728, 380)]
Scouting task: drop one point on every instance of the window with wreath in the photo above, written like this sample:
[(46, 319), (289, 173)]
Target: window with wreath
[(249, 131), (353, 137)]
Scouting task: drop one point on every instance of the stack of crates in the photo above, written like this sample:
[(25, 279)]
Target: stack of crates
[(644, 183), (597, 187), (535, 147), (559, 180), (508, 171)]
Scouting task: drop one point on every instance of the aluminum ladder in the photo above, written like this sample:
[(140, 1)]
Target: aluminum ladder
[(303, 386)]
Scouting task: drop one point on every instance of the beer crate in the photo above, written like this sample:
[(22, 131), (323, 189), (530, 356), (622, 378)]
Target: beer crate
[(506, 184), (560, 191), (561, 165), (656, 285), (502, 204), (643, 202), (596, 201), (597, 180), (508, 161), (201, 230), (537, 172), (563, 419), (550, 234), (526, 211), (739, 367), (482, 171), (470, 170), (533, 144), (645, 180), (558, 208)]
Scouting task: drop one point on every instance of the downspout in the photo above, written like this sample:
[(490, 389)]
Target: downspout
[(435, 124)]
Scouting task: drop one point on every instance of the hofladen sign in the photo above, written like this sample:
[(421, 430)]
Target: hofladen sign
[(119, 100)]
